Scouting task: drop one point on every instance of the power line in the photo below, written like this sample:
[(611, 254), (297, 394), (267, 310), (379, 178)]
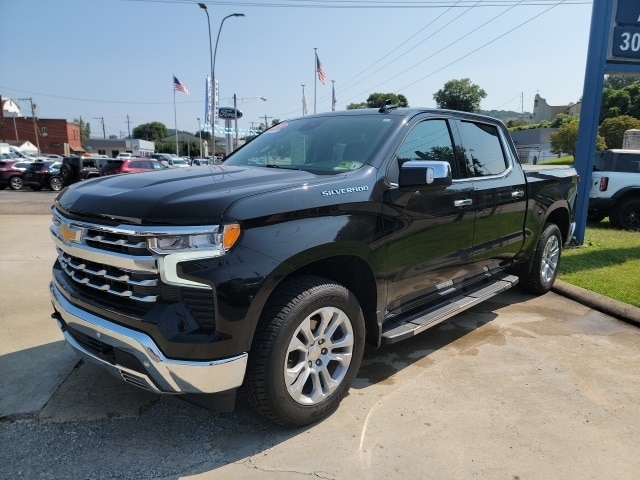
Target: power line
[(362, 4)]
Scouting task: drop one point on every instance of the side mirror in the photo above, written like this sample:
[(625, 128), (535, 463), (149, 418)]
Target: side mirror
[(424, 173)]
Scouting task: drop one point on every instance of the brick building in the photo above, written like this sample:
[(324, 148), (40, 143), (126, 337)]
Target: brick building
[(53, 135)]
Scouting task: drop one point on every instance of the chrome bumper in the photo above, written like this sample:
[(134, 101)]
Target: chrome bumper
[(162, 374)]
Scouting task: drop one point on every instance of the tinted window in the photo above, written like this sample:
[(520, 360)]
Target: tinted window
[(428, 140), (628, 162), (482, 149)]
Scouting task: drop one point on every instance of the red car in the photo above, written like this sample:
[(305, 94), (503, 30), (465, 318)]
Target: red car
[(130, 165), (12, 173)]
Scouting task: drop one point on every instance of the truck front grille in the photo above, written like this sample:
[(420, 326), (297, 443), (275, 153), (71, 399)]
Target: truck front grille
[(111, 266), (141, 287)]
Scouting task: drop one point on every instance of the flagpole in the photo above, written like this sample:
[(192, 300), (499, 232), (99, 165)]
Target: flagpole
[(315, 77), (304, 102), (175, 120), (175, 116), (333, 95)]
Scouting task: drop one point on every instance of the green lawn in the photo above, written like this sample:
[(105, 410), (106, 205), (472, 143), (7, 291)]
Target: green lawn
[(607, 263)]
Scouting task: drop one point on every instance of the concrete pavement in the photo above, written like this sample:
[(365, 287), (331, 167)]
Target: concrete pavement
[(519, 387)]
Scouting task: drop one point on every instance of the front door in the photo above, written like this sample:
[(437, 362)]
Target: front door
[(429, 247)]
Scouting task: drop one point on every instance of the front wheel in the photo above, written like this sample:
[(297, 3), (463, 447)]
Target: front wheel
[(306, 352), (545, 262), (626, 214)]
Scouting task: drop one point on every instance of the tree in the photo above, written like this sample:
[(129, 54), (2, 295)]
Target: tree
[(85, 129), (565, 139), (614, 103), (377, 100), (356, 106), (619, 81), (612, 129), (152, 132), (460, 95)]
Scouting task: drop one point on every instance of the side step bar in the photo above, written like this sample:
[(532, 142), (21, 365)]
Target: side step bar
[(417, 323)]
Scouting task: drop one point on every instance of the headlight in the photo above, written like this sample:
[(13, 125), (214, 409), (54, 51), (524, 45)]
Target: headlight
[(216, 242)]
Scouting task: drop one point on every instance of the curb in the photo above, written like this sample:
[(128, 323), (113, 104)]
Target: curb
[(602, 303)]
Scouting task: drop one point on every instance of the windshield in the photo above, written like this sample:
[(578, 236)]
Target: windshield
[(320, 145)]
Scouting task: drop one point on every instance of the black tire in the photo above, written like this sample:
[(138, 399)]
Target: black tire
[(56, 184), (16, 183), (306, 352), (543, 267), (65, 173), (626, 214)]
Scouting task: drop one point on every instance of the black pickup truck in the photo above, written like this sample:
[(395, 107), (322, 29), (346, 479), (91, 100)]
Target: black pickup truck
[(327, 232)]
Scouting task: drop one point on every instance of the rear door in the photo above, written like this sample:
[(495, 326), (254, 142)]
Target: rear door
[(499, 192)]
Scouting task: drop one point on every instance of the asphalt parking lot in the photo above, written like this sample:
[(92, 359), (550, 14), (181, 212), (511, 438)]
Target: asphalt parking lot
[(517, 388)]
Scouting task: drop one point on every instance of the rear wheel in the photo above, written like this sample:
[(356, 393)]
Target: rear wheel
[(306, 352), (16, 183), (56, 184), (545, 262), (626, 214)]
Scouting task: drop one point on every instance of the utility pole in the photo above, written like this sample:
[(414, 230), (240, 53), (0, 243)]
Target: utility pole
[(2, 118), (266, 125), (33, 117), (104, 135)]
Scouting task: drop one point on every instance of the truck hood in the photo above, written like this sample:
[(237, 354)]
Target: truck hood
[(183, 196)]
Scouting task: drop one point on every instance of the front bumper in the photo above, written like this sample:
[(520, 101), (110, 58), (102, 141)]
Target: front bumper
[(136, 358)]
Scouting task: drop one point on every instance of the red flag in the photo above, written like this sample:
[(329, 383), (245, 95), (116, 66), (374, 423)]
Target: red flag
[(178, 86), (320, 70)]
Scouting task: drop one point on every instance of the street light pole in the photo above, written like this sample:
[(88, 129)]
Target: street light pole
[(204, 7), (213, 66), (200, 134)]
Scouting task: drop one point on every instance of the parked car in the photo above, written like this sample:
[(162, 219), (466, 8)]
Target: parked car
[(177, 162), (161, 157), (170, 159), (131, 165), (125, 155), (12, 172), (45, 174), (615, 188), (198, 162), (75, 168)]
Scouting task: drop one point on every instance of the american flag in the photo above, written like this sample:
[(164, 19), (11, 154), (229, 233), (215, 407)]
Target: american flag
[(320, 70), (178, 86)]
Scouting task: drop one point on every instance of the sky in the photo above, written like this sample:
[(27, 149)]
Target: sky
[(113, 61)]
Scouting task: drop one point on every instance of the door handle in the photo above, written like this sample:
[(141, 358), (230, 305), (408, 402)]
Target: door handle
[(462, 203), (517, 194)]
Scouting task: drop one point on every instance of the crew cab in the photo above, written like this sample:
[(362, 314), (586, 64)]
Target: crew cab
[(327, 232), (615, 188)]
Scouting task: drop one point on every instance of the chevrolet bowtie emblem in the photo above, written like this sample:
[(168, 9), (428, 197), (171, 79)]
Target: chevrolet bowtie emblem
[(68, 233)]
